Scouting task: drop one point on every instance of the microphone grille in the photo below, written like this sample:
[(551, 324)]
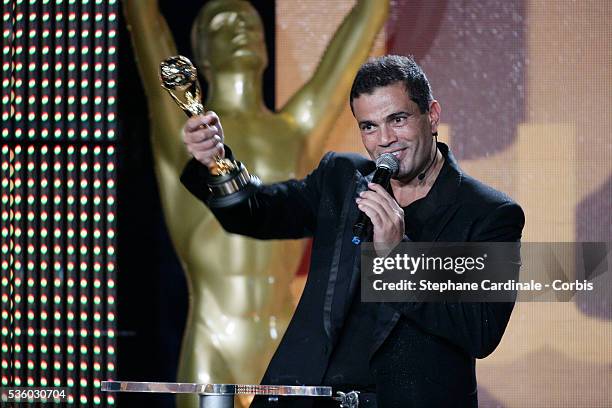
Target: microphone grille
[(388, 161)]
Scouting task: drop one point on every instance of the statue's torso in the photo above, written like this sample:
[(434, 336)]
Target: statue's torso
[(238, 276), (268, 144)]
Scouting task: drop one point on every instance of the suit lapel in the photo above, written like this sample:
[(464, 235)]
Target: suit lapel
[(386, 319), (345, 261)]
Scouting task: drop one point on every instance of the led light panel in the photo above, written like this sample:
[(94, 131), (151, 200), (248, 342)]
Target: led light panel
[(58, 196)]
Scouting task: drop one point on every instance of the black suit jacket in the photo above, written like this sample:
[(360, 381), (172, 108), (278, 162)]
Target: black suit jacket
[(423, 353)]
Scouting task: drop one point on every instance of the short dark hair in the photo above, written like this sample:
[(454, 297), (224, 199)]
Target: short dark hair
[(389, 69)]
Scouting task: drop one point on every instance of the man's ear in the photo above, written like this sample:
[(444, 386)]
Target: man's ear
[(434, 115)]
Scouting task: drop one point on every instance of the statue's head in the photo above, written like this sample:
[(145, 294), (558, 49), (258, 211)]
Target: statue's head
[(228, 35)]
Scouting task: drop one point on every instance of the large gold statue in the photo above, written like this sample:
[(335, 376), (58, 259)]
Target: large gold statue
[(240, 302)]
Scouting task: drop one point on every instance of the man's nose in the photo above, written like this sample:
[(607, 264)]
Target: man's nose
[(387, 136)]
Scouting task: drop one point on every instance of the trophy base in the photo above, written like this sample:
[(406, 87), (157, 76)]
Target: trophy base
[(231, 188)]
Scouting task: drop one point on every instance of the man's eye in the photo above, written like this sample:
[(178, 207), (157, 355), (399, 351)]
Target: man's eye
[(367, 128), (399, 120)]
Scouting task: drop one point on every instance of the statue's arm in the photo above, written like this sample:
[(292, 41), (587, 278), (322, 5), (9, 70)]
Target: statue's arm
[(153, 42), (324, 96)]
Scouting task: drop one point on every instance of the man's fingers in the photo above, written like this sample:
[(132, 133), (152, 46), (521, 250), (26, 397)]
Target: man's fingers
[(194, 123), (205, 145), (200, 135), (383, 194), (384, 201), (207, 156), (379, 214), (369, 210), (203, 137)]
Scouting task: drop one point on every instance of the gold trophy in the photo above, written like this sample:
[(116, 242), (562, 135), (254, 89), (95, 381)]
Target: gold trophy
[(229, 181)]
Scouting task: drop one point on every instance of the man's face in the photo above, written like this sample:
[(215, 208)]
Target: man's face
[(392, 123)]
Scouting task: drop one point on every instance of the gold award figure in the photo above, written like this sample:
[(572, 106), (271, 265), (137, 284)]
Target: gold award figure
[(240, 303), (229, 182)]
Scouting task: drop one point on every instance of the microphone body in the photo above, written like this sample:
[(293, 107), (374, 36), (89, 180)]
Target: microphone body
[(387, 166)]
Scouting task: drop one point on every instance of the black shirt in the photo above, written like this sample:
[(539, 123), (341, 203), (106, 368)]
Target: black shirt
[(413, 224)]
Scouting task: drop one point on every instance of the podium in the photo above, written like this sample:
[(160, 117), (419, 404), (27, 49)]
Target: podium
[(218, 395)]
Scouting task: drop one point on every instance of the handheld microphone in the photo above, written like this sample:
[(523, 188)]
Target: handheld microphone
[(387, 166)]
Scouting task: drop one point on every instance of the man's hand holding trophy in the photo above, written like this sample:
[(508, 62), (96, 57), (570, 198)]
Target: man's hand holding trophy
[(228, 180)]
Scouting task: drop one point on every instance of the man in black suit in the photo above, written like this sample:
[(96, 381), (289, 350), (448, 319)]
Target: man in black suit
[(412, 354)]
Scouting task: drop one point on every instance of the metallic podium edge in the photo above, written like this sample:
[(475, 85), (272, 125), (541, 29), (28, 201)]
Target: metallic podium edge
[(216, 395)]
